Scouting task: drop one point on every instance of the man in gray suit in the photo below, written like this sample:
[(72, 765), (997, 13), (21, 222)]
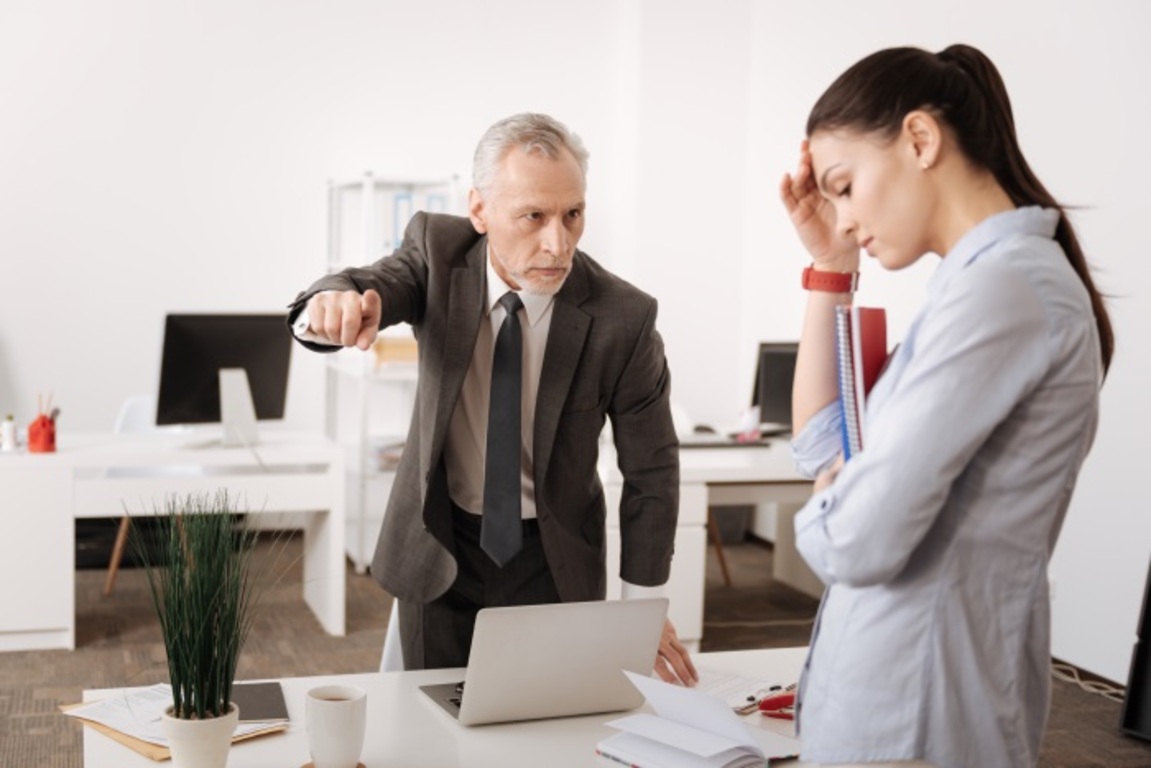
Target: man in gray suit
[(586, 349)]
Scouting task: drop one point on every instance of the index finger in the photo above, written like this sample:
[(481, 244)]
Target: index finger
[(370, 309), (350, 319), (787, 193)]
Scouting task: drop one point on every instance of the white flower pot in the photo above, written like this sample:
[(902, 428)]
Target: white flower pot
[(200, 743)]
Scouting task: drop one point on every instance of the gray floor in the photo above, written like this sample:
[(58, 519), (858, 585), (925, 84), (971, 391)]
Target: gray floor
[(119, 644)]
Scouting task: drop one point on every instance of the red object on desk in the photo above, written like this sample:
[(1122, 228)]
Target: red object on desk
[(42, 435), (779, 705)]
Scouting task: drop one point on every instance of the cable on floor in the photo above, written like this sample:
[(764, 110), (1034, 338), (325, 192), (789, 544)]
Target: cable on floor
[(1069, 674)]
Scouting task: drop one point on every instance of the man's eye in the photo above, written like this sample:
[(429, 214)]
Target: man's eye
[(575, 213)]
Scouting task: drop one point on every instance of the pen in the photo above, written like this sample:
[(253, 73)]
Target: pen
[(615, 759), (752, 702)]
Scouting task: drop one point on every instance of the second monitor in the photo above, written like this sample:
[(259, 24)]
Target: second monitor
[(198, 346), (774, 372)]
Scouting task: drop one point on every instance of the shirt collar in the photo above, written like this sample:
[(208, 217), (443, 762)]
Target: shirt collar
[(535, 305), (1031, 220)]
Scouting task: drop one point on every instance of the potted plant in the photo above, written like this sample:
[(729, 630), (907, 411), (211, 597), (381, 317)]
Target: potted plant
[(204, 585)]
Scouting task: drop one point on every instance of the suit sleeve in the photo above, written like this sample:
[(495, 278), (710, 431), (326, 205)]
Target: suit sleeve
[(400, 279), (648, 455)]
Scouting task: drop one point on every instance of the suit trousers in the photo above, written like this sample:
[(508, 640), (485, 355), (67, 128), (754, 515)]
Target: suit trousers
[(438, 634)]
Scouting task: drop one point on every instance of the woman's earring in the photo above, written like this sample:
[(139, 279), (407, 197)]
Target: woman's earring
[(923, 166)]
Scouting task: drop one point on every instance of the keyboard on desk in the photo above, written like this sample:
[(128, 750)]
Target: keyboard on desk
[(722, 440)]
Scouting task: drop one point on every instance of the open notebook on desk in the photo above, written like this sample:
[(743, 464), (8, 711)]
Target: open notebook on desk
[(690, 729)]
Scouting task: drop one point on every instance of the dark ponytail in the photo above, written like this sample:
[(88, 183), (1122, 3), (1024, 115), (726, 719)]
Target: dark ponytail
[(962, 88)]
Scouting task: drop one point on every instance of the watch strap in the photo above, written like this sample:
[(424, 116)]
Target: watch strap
[(831, 282)]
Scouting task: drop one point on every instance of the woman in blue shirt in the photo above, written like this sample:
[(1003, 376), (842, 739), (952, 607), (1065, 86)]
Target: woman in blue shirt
[(932, 642)]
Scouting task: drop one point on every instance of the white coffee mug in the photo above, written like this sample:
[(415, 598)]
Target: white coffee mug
[(336, 715)]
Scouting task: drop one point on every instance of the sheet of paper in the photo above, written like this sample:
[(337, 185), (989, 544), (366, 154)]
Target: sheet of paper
[(137, 714), (693, 708), (733, 688)]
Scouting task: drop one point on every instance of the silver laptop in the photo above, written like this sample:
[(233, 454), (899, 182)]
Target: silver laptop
[(538, 661)]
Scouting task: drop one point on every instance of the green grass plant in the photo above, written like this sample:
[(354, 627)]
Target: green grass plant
[(205, 588)]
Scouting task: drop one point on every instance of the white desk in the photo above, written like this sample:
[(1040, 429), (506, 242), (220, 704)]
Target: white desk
[(405, 728), (100, 475), (709, 477)]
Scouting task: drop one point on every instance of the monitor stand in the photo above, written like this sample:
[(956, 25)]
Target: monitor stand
[(236, 410)]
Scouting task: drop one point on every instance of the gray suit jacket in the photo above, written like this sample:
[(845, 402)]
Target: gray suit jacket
[(604, 359)]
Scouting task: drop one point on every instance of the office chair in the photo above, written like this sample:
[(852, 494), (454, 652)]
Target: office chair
[(137, 414)]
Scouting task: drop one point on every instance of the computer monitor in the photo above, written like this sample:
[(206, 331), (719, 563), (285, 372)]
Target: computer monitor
[(774, 372), (198, 346)]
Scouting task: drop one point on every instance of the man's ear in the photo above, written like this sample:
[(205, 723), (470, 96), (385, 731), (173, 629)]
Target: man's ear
[(476, 211), (924, 135)]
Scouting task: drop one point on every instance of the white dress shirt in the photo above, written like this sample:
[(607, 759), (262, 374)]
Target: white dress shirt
[(465, 449)]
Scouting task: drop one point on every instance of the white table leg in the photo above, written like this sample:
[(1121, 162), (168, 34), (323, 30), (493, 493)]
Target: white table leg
[(324, 574)]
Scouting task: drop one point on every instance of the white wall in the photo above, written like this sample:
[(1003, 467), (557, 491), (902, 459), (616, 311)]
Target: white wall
[(173, 156)]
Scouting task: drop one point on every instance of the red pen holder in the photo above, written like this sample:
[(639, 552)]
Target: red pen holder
[(42, 435)]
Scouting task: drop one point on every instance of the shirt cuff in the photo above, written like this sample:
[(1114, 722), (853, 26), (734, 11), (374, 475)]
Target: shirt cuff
[(302, 330), (819, 444), (635, 591)]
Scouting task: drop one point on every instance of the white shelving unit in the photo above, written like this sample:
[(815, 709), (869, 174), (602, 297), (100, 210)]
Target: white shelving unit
[(369, 400)]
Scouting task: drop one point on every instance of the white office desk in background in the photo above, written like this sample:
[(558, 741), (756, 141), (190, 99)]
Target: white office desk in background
[(406, 728), (101, 475), (733, 475)]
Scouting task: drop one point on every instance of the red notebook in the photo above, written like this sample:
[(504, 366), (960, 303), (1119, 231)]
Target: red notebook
[(861, 351)]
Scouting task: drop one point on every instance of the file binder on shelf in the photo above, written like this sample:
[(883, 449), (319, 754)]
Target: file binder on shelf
[(861, 351)]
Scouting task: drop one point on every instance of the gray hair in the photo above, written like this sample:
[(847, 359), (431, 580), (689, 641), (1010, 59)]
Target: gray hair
[(532, 132)]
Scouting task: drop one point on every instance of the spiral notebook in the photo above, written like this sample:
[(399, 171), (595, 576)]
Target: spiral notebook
[(861, 351)]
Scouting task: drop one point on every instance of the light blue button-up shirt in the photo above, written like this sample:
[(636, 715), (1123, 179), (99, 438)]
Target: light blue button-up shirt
[(932, 641)]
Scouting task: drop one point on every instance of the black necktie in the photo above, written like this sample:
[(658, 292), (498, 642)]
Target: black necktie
[(501, 535)]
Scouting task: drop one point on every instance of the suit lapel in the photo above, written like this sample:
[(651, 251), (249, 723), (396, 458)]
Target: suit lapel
[(566, 338), (465, 310)]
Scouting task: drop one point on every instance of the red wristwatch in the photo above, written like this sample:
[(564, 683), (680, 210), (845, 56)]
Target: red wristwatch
[(831, 282)]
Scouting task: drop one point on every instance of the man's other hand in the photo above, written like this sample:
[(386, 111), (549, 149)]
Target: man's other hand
[(672, 663), (347, 318)]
